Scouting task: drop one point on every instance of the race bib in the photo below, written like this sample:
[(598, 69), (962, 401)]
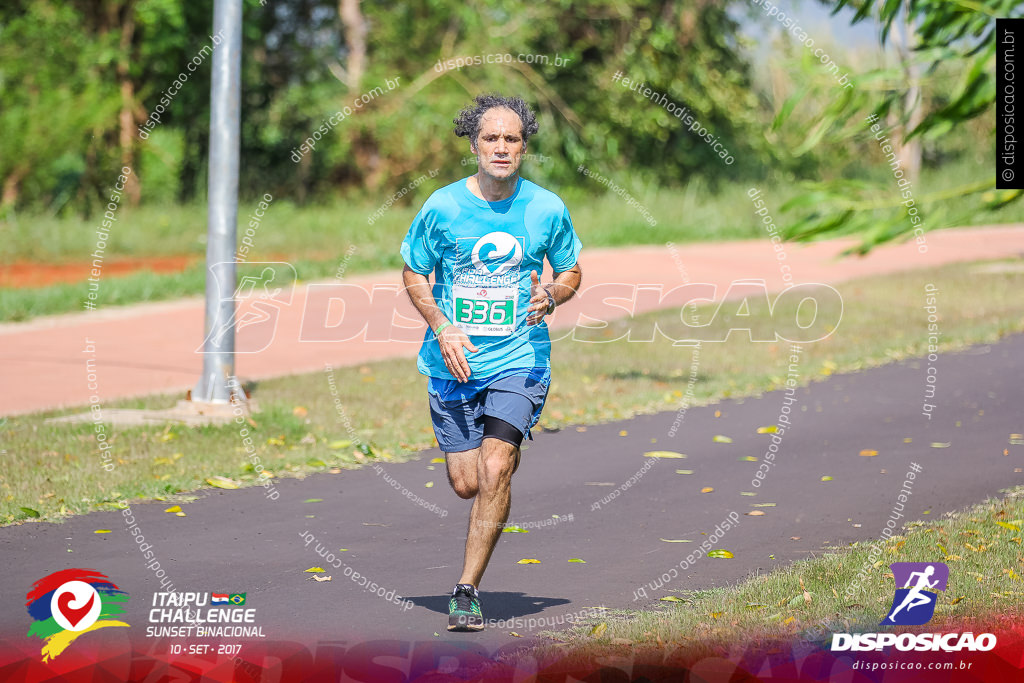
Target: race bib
[(485, 311)]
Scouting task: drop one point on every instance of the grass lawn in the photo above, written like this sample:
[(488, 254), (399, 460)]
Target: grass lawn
[(53, 470), (806, 602)]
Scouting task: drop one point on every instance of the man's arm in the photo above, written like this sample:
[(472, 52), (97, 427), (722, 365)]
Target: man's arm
[(452, 339), (562, 288)]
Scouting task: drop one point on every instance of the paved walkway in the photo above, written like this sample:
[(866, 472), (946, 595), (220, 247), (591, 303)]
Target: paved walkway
[(243, 541), (151, 348)]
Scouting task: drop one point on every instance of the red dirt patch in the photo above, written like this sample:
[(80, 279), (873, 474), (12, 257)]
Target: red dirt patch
[(25, 274)]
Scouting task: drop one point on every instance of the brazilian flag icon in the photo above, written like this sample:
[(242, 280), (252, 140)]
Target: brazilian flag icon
[(237, 598)]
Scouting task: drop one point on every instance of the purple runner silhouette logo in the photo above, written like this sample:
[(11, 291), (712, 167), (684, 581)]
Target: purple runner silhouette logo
[(916, 583)]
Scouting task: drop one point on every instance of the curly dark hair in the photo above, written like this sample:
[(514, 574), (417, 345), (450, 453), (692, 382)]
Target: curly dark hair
[(467, 123)]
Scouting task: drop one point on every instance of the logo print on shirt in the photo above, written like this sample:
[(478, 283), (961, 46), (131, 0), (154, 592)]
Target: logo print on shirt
[(496, 253)]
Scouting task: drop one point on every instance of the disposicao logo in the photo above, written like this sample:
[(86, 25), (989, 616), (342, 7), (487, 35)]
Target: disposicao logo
[(68, 603), (912, 605)]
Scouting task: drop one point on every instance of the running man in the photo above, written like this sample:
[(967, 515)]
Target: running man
[(487, 352), (914, 597)]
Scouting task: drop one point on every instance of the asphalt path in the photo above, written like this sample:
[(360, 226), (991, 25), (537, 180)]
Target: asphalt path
[(241, 541)]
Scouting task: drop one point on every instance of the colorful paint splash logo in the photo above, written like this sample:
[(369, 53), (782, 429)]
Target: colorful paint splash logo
[(68, 603)]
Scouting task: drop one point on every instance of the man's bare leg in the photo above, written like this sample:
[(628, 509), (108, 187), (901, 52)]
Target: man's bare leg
[(490, 483), (490, 509)]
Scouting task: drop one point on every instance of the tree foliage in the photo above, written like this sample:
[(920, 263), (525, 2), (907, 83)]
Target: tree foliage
[(65, 69), (955, 50)]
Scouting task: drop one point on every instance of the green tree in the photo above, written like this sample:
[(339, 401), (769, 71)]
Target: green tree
[(915, 102)]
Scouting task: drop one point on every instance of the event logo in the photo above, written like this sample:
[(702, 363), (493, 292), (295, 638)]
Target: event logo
[(227, 598), (68, 603), (916, 582), (497, 253)]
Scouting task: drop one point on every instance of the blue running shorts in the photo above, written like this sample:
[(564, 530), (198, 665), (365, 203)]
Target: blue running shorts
[(457, 409)]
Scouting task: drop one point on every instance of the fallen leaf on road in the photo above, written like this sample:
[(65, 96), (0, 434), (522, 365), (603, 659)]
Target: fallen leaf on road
[(826, 478), (599, 483), (321, 579), (528, 560), (222, 483), (723, 554), (663, 454), (749, 458), (754, 513), (313, 500), (102, 531), (747, 493), (511, 633), (179, 514), (721, 439), (173, 508), (770, 429), (576, 559), (684, 471), (867, 453), (675, 540), (435, 460), (313, 570), (514, 530), (429, 484), (598, 630), (762, 505), (707, 489), (939, 444), (794, 538), (623, 433), (671, 598)]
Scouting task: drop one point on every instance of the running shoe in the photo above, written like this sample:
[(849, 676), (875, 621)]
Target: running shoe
[(464, 609)]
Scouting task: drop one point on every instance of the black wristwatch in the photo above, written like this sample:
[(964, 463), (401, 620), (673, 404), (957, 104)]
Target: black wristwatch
[(551, 303)]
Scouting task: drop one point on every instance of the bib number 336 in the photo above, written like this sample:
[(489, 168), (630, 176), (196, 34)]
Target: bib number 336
[(490, 311)]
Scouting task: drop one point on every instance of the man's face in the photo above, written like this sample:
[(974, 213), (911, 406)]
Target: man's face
[(500, 145)]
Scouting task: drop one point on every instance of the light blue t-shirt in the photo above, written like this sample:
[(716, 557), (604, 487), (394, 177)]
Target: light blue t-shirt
[(482, 254)]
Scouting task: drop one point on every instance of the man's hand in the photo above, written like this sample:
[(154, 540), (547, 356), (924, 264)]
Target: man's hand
[(452, 340), (539, 301)]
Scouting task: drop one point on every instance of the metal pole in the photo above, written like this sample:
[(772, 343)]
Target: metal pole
[(222, 216)]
